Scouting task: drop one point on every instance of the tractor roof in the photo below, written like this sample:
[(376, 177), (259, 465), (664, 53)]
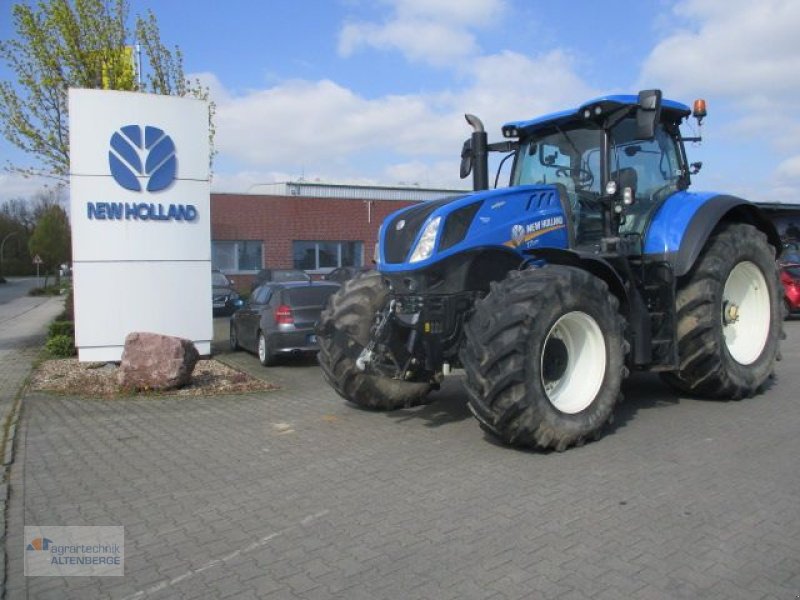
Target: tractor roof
[(671, 108)]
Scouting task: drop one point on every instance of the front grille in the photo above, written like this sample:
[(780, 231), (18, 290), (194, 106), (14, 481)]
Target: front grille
[(457, 224)]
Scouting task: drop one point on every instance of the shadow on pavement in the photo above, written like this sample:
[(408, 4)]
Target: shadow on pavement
[(449, 405)]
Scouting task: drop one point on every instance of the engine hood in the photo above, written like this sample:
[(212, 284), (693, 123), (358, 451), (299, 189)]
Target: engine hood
[(514, 219)]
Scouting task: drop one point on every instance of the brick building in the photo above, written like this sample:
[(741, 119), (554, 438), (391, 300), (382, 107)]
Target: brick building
[(310, 226)]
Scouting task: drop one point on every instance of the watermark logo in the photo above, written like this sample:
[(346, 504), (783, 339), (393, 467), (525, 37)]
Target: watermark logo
[(74, 551), (39, 544), (142, 152)]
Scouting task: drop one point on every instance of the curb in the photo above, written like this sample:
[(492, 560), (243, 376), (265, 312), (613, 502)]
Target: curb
[(9, 428)]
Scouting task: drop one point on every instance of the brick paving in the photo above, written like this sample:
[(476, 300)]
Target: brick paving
[(294, 494), (23, 321)]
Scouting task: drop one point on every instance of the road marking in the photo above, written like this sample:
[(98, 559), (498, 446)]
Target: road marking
[(162, 585)]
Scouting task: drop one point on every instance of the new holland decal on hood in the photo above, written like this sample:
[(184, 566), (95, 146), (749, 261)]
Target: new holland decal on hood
[(522, 235)]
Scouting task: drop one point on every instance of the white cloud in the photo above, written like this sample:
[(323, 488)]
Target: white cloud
[(744, 58), (789, 169), (324, 128), (307, 122), (436, 32), (736, 48), (418, 40), (510, 86)]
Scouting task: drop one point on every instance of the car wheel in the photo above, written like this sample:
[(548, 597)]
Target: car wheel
[(234, 338), (265, 356)]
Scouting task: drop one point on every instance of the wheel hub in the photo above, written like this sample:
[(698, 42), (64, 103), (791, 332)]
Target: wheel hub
[(730, 313)]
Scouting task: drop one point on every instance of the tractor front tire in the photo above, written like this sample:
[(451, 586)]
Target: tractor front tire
[(344, 331), (545, 357), (729, 317)]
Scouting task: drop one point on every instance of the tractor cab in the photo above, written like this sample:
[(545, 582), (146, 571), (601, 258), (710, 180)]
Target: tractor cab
[(614, 161)]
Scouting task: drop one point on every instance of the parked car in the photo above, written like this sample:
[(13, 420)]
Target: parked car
[(342, 274), (790, 277), (279, 319), (225, 300), (279, 276), (790, 253)]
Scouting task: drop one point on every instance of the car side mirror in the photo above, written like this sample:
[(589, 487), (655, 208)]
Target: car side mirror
[(648, 114)]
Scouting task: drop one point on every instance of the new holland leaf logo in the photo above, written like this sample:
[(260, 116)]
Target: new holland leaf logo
[(149, 154)]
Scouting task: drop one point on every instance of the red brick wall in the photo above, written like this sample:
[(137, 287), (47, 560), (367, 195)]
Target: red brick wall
[(279, 220)]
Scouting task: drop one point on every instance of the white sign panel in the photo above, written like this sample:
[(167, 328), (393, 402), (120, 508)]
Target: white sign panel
[(140, 213)]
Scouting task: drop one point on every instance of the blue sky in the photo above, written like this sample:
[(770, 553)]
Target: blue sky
[(375, 91)]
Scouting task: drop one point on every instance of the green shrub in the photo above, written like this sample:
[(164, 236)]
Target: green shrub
[(61, 346), (50, 290), (61, 328), (69, 307)]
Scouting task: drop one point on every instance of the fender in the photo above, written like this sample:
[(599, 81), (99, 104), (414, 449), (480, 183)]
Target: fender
[(589, 262), (681, 226)]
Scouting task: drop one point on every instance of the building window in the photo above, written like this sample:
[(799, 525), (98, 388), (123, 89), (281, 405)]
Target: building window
[(243, 255), (319, 255)]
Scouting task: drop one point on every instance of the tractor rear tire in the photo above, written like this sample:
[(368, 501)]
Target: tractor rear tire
[(344, 331), (729, 317), (545, 357)]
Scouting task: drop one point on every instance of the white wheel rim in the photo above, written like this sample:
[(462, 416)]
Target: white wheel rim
[(262, 347), (575, 388), (746, 313)]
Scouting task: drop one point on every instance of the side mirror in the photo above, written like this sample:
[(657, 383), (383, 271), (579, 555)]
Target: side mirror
[(466, 159), (648, 114)]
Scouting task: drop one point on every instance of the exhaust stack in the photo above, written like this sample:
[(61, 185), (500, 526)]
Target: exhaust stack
[(480, 154)]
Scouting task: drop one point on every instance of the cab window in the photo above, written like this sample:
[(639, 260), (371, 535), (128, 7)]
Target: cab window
[(651, 167)]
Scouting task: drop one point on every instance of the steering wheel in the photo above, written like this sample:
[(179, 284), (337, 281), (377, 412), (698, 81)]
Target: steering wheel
[(585, 177)]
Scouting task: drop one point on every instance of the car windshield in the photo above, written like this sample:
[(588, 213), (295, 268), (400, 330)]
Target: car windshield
[(308, 296), (219, 280)]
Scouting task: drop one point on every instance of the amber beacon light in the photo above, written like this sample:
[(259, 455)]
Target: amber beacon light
[(699, 109)]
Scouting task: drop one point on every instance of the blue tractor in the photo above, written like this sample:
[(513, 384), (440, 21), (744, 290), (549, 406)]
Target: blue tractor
[(596, 260)]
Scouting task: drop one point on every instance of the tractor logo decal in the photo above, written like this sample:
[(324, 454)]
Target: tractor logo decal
[(400, 224), (138, 151), (517, 234), (524, 234)]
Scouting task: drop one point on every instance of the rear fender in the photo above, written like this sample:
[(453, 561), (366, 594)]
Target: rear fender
[(680, 228)]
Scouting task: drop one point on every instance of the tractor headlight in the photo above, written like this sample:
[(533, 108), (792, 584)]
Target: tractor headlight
[(424, 247)]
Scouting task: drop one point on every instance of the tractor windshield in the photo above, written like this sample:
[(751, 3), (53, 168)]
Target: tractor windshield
[(568, 156)]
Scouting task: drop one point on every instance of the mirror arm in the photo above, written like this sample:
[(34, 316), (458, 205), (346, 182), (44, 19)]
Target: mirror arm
[(503, 147)]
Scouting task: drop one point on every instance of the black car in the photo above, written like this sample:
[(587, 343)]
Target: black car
[(279, 276), (225, 300), (279, 319), (342, 274)]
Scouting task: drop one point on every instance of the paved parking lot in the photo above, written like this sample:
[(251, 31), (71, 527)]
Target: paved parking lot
[(294, 494)]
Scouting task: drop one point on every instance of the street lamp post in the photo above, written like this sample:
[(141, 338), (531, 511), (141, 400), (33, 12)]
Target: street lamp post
[(2, 247)]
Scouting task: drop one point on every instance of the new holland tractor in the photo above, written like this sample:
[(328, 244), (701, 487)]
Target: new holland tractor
[(596, 260)]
